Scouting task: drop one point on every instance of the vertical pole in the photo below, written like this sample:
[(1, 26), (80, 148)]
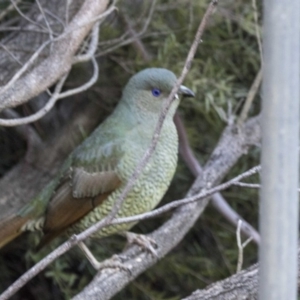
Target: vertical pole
[(280, 142)]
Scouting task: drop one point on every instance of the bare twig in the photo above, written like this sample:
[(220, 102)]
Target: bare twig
[(54, 97), (85, 86), (19, 29), (132, 39), (174, 204), (54, 16), (252, 185), (92, 46), (248, 185), (15, 4), (45, 19), (257, 30), (39, 114), (241, 246), (11, 54), (8, 9), (27, 132), (257, 81), (137, 41), (24, 67), (250, 97)]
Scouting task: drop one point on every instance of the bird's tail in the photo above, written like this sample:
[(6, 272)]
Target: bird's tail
[(10, 228)]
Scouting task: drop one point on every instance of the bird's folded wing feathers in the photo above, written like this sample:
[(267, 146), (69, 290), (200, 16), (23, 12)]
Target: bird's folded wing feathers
[(94, 170), (64, 210)]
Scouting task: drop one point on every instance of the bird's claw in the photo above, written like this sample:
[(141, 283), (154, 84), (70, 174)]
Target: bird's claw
[(112, 263), (143, 241)]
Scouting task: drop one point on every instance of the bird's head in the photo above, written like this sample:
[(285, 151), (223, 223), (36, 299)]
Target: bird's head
[(148, 90)]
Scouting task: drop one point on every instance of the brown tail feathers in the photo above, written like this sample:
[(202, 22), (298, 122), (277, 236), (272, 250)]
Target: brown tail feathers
[(10, 228)]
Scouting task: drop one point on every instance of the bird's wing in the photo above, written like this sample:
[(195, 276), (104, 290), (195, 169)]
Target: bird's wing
[(92, 177), (64, 210), (94, 169)]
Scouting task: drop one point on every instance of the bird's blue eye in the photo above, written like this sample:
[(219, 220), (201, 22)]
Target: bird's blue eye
[(156, 92)]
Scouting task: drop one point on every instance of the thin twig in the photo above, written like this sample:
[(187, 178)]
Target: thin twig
[(137, 41), (257, 29), (45, 19), (241, 246), (27, 132), (252, 185), (132, 39), (15, 4), (53, 99), (174, 204), (85, 86), (39, 114), (257, 81), (11, 54), (19, 29), (250, 97), (55, 17), (25, 66), (92, 46), (8, 9), (248, 185)]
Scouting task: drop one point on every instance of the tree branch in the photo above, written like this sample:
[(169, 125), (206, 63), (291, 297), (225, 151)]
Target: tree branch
[(21, 88), (243, 285)]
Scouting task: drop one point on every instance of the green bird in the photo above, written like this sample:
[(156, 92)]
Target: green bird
[(96, 172)]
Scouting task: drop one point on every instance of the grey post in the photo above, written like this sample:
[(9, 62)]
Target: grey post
[(280, 163)]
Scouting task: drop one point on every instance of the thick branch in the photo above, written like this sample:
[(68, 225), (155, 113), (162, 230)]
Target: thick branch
[(243, 285)]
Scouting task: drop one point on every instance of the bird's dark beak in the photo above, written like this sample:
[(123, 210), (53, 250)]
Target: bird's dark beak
[(186, 92)]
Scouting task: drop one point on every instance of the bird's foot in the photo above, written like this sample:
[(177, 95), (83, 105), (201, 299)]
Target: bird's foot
[(113, 263), (143, 241)]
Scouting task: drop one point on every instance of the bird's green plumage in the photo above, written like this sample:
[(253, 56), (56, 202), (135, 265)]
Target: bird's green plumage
[(105, 161)]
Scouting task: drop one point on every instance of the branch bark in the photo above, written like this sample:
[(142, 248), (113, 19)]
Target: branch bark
[(243, 285)]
